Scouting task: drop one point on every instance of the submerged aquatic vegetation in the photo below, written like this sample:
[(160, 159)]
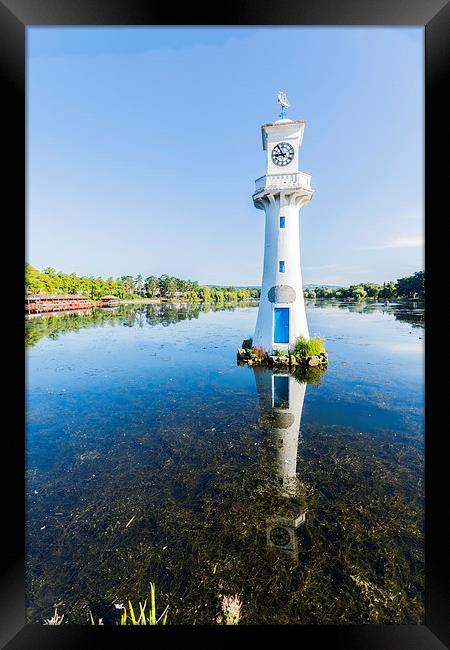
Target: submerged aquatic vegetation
[(187, 480), (364, 522)]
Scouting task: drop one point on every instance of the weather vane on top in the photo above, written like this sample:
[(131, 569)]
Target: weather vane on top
[(282, 100)]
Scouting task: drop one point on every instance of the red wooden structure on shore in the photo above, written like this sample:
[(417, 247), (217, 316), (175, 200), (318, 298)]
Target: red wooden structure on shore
[(41, 302)]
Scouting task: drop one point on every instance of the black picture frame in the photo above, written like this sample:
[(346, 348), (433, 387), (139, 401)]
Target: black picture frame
[(15, 17)]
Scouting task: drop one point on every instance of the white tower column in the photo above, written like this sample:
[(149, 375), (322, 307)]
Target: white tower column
[(281, 193)]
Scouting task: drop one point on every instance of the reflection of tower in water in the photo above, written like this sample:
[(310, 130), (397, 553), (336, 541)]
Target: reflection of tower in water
[(281, 398)]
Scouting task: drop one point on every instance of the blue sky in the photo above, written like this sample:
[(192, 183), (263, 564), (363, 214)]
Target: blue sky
[(144, 144)]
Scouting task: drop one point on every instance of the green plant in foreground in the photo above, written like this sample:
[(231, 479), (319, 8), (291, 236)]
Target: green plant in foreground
[(129, 617), (230, 612), (309, 348), (56, 619)]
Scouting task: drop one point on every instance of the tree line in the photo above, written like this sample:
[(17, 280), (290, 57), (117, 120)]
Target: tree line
[(165, 286), (128, 287), (412, 286)]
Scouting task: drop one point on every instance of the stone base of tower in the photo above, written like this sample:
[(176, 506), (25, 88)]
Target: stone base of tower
[(283, 359)]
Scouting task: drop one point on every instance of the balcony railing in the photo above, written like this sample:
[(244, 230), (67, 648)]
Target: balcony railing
[(300, 180)]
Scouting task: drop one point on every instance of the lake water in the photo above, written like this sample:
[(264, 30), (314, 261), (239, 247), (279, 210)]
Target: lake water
[(151, 455)]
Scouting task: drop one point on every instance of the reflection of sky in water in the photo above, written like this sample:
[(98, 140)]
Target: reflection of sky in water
[(374, 379), (375, 376), (405, 348)]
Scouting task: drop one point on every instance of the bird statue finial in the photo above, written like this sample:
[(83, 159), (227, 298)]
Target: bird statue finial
[(282, 100)]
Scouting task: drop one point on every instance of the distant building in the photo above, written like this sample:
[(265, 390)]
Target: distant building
[(110, 301)]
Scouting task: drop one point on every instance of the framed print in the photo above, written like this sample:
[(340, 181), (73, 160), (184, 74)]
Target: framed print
[(227, 415)]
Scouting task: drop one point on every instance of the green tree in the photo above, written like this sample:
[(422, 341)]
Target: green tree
[(171, 287), (50, 271), (205, 294), (120, 289), (372, 290), (35, 281), (358, 293), (151, 286), (162, 281), (139, 283), (128, 282), (183, 286), (412, 286), (388, 291)]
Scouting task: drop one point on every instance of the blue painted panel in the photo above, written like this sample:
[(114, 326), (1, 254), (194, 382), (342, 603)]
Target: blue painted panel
[(281, 325), (281, 391)]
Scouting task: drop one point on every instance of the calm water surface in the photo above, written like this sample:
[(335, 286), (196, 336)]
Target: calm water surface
[(152, 456)]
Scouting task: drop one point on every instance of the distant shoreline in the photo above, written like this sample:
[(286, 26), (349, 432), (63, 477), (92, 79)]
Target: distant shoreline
[(178, 301), (246, 303)]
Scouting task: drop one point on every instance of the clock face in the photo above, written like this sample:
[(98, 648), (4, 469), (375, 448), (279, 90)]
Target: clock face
[(279, 536), (282, 154)]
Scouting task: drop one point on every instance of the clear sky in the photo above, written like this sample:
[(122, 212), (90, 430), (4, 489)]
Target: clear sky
[(144, 144)]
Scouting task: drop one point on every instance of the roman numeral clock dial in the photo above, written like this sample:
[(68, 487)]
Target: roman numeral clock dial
[(282, 154)]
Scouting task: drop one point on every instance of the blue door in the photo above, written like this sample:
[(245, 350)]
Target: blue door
[(281, 325)]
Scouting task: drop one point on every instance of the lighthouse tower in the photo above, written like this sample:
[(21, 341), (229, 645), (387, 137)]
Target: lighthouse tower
[(281, 193)]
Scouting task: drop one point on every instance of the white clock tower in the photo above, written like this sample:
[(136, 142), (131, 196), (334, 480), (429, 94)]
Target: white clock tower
[(281, 193)]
